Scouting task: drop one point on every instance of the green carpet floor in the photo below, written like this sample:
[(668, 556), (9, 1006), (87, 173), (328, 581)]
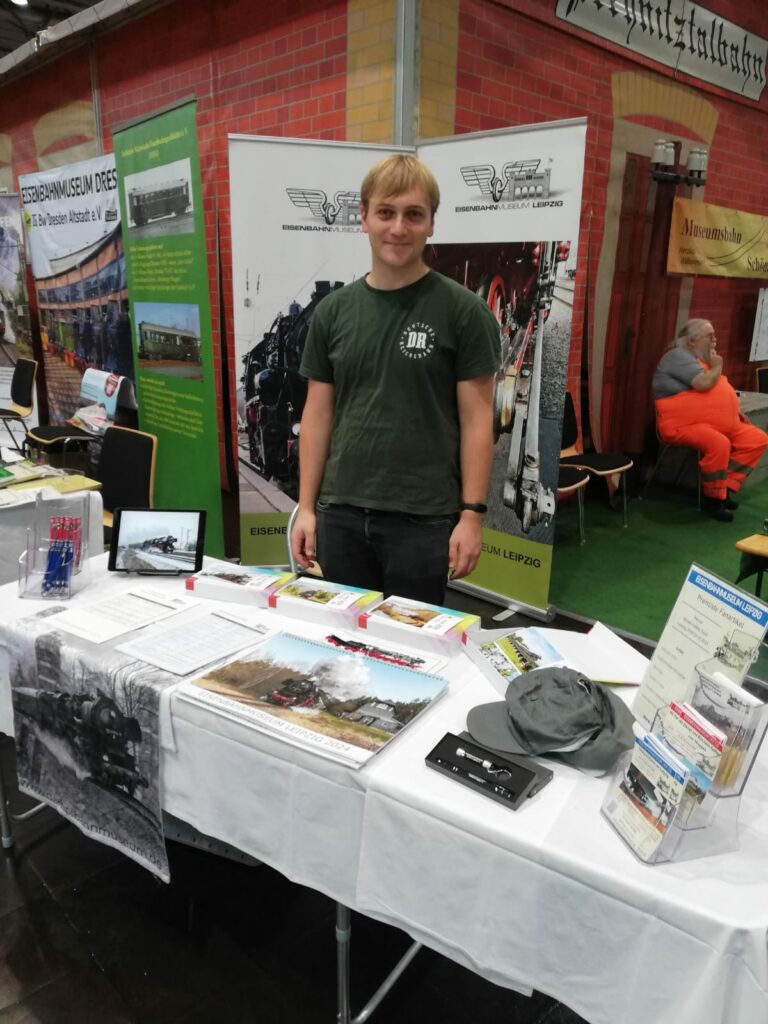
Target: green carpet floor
[(631, 578)]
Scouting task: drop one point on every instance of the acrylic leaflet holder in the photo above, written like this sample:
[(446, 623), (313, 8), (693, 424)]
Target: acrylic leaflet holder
[(669, 805), (54, 563), (45, 572)]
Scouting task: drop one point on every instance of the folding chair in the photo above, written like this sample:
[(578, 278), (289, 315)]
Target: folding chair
[(603, 464), (22, 398), (572, 480)]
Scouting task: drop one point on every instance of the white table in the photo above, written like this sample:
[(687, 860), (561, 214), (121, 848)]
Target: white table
[(547, 897)]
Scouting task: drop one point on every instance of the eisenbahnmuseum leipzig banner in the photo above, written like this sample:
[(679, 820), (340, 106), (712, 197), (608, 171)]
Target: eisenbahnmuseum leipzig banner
[(509, 211)]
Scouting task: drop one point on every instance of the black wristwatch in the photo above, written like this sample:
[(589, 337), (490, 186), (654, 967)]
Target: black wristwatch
[(473, 506)]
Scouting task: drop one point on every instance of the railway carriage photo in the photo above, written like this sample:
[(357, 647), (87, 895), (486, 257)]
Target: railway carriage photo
[(157, 341), (168, 199)]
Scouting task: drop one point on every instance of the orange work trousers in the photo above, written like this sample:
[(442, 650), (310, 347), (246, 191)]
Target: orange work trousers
[(709, 421)]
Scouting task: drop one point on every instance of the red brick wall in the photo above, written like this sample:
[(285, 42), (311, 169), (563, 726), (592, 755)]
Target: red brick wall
[(279, 69), (270, 69), (26, 100), (522, 66)]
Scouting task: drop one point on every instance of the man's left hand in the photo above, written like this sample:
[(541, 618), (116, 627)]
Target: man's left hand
[(465, 545)]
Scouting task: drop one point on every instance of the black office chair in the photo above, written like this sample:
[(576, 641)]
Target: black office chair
[(603, 464), (126, 471), (22, 400), (761, 379)]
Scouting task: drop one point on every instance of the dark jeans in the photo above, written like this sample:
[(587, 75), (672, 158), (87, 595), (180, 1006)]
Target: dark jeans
[(393, 552)]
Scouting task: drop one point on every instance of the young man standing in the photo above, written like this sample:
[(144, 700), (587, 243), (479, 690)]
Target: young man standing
[(396, 437)]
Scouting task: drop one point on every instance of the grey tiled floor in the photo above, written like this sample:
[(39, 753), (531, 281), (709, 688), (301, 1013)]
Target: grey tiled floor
[(88, 937)]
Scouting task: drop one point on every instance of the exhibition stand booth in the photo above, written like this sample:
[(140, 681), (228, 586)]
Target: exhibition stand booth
[(548, 809)]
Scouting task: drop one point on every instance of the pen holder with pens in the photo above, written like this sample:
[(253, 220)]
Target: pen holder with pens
[(46, 571), (56, 557), (65, 517)]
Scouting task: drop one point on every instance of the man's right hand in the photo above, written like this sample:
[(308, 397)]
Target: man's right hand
[(303, 538)]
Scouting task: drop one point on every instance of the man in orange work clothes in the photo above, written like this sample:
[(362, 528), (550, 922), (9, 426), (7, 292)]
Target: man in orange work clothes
[(696, 406)]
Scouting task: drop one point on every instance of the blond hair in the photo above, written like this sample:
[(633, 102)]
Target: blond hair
[(397, 174)]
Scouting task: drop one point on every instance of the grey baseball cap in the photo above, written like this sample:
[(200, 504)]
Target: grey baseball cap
[(556, 711)]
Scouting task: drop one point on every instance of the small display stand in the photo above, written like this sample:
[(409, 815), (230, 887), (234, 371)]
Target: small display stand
[(55, 562), (665, 818), (676, 794)]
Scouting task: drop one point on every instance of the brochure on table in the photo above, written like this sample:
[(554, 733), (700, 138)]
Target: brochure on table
[(699, 745), (112, 617), (645, 795), (320, 600), (711, 638), (251, 584), (427, 626), (191, 645), (341, 705), (502, 655), (20, 472)]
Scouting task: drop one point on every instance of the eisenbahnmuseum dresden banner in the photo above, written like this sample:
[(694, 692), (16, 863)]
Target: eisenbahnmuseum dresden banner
[(15, 338), (75, 244), (510, 206), (161, 200), (715, 240)]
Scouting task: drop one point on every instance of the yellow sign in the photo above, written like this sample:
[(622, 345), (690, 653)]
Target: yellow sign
[(706, 239)]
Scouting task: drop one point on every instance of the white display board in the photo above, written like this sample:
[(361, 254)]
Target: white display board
[(759, 348)]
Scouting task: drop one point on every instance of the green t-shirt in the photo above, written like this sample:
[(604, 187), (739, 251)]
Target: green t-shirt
[(394, 358)]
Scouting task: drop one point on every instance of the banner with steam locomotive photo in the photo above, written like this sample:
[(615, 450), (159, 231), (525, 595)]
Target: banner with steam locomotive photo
[(87, 736), (295, 237), (507, 224), (508, 221), (75, 245)]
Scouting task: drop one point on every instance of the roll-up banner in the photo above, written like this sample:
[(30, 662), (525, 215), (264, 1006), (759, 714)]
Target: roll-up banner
[(75, 244), (161, 201), (15, 338), (295, 237), (508, 218)]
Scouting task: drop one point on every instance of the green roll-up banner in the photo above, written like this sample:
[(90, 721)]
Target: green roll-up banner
[(161, 203)]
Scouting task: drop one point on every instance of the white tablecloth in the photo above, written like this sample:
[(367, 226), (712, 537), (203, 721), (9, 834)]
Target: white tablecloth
[(547, 897)]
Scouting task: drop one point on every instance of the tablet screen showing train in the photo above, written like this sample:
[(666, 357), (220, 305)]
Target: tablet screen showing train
[(157, 540)]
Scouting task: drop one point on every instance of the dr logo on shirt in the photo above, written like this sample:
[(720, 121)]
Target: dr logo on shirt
[(417, 341)]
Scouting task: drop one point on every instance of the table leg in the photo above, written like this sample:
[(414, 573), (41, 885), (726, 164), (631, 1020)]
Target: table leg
[(343, 938), (343, 942), (6, 831)]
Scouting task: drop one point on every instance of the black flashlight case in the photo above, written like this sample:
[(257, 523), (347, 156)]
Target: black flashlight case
[(507, 779)]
